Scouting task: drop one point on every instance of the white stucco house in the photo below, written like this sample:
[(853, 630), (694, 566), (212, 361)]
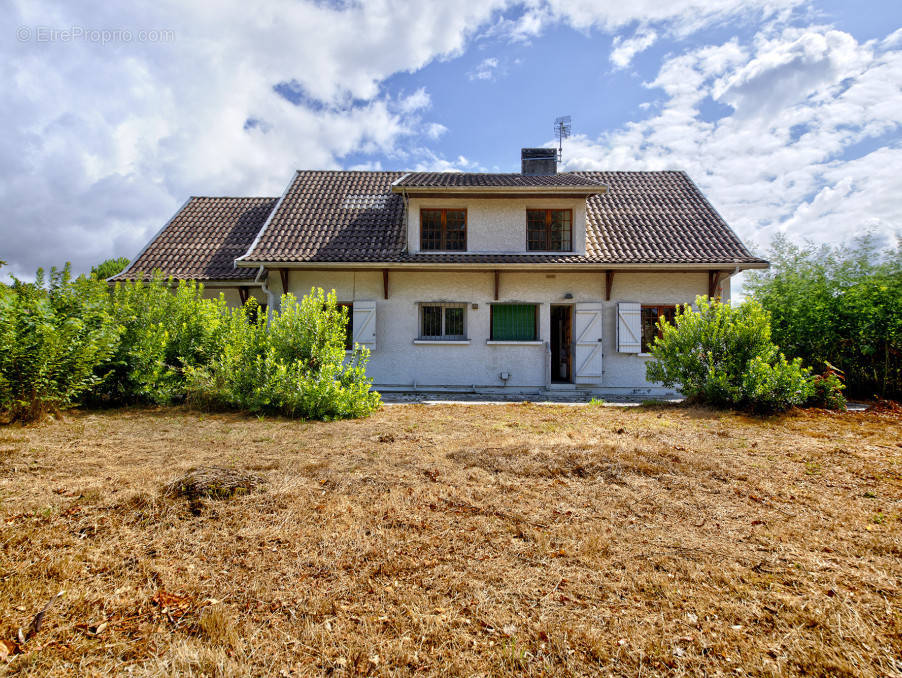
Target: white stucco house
[(488, 282)]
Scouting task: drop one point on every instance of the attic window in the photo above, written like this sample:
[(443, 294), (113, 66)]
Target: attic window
[(549, 230), (443, 230), (365, 201)]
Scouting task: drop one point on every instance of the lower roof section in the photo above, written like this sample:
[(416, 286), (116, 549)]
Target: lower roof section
[(202, 240)]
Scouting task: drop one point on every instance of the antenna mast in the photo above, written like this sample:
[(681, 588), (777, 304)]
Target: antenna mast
[(561, 131)]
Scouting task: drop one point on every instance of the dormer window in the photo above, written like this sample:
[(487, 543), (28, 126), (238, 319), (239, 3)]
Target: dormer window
[(443, 230), (549, 230)]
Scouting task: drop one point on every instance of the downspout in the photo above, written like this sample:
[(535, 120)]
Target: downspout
[(271, 298), (405, 218)]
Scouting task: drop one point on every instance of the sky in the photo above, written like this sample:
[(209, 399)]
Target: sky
[(786, 113)]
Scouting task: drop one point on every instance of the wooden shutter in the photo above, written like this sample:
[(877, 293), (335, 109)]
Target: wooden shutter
[(587, 353), (365, 324), (629, 327)]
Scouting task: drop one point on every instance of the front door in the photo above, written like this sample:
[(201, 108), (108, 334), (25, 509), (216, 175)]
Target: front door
[(561, 344)]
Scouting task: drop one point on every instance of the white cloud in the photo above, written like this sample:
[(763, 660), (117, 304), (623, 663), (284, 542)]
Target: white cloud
[(417, 101), (803, 148), (485, 70), (435, 130), (625, 50), (103, 142)]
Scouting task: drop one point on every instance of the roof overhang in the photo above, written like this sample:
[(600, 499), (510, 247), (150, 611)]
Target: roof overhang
[(729, 266), (232, 282)]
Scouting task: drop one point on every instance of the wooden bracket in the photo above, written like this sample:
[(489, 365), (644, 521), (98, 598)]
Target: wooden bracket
[(714, 278), (283, 273), (385, 283), (497, 275), (242, 294), (608, 284)]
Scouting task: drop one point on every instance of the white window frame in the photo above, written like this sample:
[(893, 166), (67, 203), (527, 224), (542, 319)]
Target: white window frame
[(444, 338)]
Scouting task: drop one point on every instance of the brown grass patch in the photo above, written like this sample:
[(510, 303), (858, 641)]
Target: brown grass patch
[(456, 540)]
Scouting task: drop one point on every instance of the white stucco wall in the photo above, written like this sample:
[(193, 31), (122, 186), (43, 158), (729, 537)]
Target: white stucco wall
[(231, 295), (398, 362), (497, 224)]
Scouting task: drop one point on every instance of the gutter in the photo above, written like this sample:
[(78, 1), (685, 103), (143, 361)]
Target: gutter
[(531, 266)]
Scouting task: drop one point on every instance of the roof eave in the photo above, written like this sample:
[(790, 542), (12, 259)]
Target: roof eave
[(732, 266)]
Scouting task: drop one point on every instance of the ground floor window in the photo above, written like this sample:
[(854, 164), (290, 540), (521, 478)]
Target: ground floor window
[(650, 330), (443, 322), (515, 322), (349, 328)]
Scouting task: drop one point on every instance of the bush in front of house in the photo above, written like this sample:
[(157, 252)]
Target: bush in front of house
[(723, 356), (53, 337), (297, 366), (164, 329)]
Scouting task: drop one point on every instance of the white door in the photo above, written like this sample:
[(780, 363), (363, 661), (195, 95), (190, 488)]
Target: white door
[(587, 353)]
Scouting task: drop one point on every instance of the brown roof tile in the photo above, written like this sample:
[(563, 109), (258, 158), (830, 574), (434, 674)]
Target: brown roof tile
[(203, 239), (481, 180), (645, 217)]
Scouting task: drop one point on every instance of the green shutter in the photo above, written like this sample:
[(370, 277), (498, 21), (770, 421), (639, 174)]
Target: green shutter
[(513, 322)]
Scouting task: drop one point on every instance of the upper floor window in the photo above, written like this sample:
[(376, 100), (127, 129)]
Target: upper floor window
[(443, 229), (549, 230)]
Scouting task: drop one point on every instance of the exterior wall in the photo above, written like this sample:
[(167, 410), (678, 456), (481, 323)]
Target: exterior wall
[(398, 362), (497, 224), (231, 295)]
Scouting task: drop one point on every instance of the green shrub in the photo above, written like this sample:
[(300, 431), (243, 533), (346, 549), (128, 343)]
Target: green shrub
[(723, 356), (164, 329), (839, 305), (51, 341), (827, 390), (297, 366)]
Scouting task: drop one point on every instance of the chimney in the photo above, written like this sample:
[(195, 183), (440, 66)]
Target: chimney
[(537, 161)]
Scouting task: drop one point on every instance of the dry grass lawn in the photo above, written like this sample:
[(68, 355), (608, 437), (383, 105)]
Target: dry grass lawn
[(459, 540)]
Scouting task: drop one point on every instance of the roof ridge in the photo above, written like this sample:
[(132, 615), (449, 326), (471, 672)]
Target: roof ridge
[(233, 197)]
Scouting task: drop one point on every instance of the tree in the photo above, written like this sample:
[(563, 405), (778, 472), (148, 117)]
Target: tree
[(109, 268), (838, 306)]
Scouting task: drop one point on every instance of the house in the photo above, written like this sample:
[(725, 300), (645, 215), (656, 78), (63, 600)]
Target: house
[(496, 282)]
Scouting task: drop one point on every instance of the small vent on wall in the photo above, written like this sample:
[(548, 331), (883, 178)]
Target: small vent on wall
[(365, 201)]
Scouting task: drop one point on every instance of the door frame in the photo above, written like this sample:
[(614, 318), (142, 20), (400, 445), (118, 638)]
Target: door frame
[(570, 356)]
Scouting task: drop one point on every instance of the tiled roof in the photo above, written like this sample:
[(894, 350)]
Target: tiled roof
[(335, 216), (644, 218), (203, 239), (473, 180)]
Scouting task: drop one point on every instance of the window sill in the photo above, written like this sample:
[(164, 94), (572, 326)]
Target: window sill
[(493, 342), (441, 342)]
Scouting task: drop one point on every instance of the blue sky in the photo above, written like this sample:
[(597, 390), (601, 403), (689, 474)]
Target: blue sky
[(787, 113)]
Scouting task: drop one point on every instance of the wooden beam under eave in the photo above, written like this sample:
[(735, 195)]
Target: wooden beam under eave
[(497, 275), (714, 278), (608, 284), (283, 274), (385, 283)]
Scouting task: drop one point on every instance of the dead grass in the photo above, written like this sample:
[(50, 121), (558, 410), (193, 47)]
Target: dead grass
[(459, 540)]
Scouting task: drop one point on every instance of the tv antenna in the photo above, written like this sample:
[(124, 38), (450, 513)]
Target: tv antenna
[(561, 131)]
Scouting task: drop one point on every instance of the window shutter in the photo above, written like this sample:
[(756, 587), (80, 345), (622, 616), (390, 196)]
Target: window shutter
[(629, 327), (365, 324)]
